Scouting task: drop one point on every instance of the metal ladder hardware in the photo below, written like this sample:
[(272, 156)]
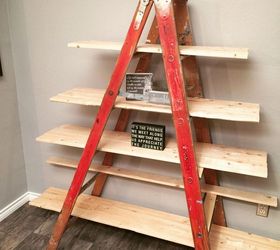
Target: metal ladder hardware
[(168, 38)]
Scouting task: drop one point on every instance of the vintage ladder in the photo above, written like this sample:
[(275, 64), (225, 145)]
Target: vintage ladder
[(171, 27), (176, 86)]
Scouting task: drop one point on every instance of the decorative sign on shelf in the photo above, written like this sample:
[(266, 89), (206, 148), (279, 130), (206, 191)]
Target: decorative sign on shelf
[(138, 83), (161, 97), (139, 86), (149, 136)]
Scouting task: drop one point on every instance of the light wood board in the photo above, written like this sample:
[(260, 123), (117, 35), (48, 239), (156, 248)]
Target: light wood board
[(199, 107), (219, 157), (150, 222), (118, 214), (209, 207), (174, 182), (222, 52)]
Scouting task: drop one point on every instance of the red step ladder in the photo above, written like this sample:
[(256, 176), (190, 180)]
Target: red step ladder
[(168, 38)]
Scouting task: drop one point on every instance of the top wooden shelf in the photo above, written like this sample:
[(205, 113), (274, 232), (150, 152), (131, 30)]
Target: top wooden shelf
[(222, 52)]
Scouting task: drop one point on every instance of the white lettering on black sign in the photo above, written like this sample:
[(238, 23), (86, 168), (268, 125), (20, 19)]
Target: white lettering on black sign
[(138, 83), (149, 136)]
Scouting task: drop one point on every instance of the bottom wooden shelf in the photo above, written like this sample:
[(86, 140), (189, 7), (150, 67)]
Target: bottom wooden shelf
[(151, 222)]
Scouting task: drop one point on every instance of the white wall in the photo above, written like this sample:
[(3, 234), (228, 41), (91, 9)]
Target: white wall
[(45, 66), (12, 170)]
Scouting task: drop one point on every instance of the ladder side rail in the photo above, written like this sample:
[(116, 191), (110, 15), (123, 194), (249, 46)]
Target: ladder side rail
[(126, 54), (109, 157), (195, 89), (123, 119), (181, 119)]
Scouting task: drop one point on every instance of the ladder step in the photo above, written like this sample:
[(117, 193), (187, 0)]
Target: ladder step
[(218, 157), (223, 52), (150, 222), (199, 107), (232, 193)]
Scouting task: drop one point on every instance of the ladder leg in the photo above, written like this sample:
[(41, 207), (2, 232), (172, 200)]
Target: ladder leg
[(128, 49), (210, 176), (109, 157), (194, 89), (142, 66), (175, 82)]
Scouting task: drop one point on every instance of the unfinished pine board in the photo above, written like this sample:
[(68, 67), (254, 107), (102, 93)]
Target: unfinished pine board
[(223, 52), (118, 214), (230, 239), (242, 195), (209, 206), (169, 181), (218, 157), (150, 222), (122, 172), (198, 107)]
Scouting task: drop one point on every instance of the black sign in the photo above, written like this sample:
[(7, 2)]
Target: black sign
[(149, 136), (138, 83)]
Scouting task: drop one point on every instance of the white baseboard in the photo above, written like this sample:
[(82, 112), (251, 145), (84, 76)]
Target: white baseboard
[(16, 204), (33, 195)]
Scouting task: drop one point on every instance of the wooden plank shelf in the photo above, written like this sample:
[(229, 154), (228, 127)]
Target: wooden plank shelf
[(222, 52), (199, 107), (122, 215), (174, 182), (150, 222), (218, 157)]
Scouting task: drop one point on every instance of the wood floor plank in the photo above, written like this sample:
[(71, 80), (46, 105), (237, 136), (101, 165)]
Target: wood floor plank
[(20, 225), (32, 242), (151, 222), (199, 107), (174, 182), (223, 52), (218, 157)]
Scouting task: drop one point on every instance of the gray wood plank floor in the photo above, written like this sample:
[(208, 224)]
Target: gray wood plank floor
[(30, 228)]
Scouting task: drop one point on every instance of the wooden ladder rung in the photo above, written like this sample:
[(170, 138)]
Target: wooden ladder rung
[(174, 182), (218, 157), (152, 222), (199, 107), (222, 52)]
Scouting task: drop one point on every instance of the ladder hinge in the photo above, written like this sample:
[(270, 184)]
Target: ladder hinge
[(162, 3)]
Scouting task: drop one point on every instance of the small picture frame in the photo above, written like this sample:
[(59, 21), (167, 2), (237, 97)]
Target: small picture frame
[(138, 83)]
